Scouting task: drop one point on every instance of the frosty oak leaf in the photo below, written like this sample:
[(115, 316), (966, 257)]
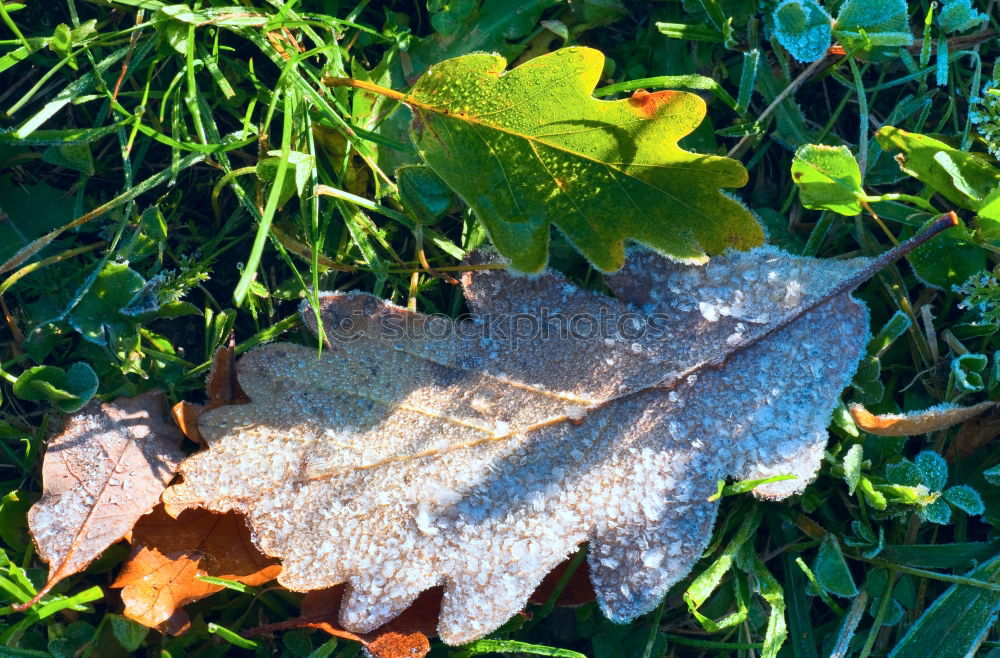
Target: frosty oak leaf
[(418, 451)]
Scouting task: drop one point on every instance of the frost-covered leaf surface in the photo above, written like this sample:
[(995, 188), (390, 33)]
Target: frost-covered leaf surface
[(862, 24), (960, 15), (418, 451), (106, 468), (532, 147), (803, 28)]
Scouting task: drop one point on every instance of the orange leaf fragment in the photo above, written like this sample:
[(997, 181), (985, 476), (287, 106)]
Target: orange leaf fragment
[(106, 469), (403, 637), (186, 415), (168, 554), (935, 418)]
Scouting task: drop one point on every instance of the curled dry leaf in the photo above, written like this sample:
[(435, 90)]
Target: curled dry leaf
[(168, 554), (419, 451), (938, 417), (106, 468), (221, 388)]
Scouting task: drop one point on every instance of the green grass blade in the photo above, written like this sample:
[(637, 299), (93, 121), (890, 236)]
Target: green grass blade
[(957, 622)]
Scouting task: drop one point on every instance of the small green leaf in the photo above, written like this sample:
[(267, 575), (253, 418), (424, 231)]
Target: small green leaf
[(897, 325), (74, 638), (743, 486), (62, 40), (852, 467), (966, 499), (948, 260), (933, 470), (803, 28), (992, 475), (893, 615), (300, 166), (831, 569), (989, 216), (524, 159), (966, 373), (944, 631), (864, 532), (13, 517), (100, 309), (72, 156), (904, 473), (68, 389), (447, 16), (129, 634), (866, 380), (907, 494), (872, 496), (863, 25), (29, 212), (937, 512), (956, 166), (828, 178)]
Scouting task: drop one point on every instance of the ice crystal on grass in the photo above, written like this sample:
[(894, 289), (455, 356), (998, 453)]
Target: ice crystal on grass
[(418, 451), (984, 112), (982, 295)]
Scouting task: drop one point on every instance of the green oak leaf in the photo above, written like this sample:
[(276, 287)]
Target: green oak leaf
[(532, 147)]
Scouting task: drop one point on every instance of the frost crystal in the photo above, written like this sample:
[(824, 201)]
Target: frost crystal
[(417, 451), (984, 112)]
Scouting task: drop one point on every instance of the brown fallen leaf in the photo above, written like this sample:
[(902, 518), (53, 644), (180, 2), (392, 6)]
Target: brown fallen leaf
[(160, 576), (938, 417), (106, 468), (419, 451)]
